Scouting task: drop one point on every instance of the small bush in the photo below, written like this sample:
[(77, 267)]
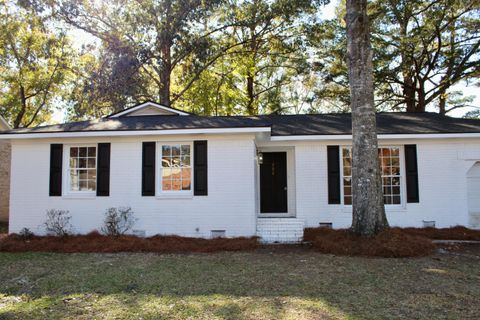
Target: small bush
[(118, 221), (58, 223), (26, 234)]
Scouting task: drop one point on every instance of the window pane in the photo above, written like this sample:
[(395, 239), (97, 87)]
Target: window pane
[(396, 200), (73, 162), (166, 173), (82, 174), (395, 152), (91, 163), (387, 200), (186, 184), (185, 161), (166, 151), (82, 152), (73, 152), (92, 152), (92, 175), (176, 161), (166, 185), (83, 185), (185, 149), (348, 200), (176, 185), (82, 163), (347, 190), (186, 173), (92, 185), (176, 150), (346, 152), (166, 162)]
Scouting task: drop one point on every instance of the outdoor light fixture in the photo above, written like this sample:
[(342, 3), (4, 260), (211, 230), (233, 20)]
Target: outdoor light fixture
[(260, 157)]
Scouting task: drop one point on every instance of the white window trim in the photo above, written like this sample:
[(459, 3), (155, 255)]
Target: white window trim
[(179, 194), (389, 207), (67, 193)]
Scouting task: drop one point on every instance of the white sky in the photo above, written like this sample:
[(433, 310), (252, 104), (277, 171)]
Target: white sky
[(328, 12)]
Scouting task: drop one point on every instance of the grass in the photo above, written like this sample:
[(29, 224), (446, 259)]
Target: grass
[(263, 284)]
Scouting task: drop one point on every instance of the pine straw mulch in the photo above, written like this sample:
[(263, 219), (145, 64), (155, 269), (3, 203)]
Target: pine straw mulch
[(391, 243), (95, 242)]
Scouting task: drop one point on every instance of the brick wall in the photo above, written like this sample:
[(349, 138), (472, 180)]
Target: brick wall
[(4, 179)]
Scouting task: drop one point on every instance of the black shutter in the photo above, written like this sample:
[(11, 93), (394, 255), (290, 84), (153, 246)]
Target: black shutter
[(56, 159), (412, 173), (333, 157), (103, 170), (200, 168), (148, 169)]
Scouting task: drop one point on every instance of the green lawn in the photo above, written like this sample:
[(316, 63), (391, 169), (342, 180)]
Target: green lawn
[(284, 284)]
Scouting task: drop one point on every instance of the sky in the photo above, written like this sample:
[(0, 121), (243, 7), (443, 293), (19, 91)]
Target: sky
[(80, 38)]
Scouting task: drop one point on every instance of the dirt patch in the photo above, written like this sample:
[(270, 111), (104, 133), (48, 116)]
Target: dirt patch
[(95, 242), (392, 243)]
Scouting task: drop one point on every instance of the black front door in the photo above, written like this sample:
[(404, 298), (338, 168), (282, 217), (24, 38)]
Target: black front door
[(273, 183)]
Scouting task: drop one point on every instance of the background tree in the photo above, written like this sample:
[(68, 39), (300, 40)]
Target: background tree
[(421, 51), (367, 195), (34, 66)]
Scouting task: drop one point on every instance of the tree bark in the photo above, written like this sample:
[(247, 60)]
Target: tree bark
[(368, 209)]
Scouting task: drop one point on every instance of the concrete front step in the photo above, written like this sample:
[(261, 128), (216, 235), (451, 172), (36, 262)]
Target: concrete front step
[(280, 230)]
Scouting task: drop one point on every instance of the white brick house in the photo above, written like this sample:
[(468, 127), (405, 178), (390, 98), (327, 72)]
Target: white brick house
[(240, 176)]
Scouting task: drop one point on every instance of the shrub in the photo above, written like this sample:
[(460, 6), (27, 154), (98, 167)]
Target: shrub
[(26, 234), (58, 222), (118, 221)]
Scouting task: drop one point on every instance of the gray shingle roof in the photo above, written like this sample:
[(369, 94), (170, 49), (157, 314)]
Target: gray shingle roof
[(282, 125)]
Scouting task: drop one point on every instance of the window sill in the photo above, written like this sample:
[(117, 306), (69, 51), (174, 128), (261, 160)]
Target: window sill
[(173, 196), (388, 208), (80, 196)]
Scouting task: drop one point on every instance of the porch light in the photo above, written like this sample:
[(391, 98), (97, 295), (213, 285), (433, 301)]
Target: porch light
[(260, 157)]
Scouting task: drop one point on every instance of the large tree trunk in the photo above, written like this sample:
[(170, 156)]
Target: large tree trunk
[(368, 210)]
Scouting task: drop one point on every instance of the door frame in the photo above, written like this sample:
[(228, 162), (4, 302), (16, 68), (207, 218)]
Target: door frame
[(291, 190)]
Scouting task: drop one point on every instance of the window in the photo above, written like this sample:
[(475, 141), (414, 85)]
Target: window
[(390, 168), (82, 169), (176, 169)]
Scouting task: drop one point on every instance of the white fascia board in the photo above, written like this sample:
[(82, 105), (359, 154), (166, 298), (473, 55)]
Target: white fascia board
[(149, 104), (380, 136), (43, 135)]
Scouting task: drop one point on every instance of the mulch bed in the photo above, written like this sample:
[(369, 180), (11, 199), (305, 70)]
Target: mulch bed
[(455, 233), (391, 243), (95, 242)]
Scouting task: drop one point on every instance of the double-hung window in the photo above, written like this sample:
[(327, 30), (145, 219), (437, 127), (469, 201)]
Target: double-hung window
[(390, 170), (176, 168), (82, 169)]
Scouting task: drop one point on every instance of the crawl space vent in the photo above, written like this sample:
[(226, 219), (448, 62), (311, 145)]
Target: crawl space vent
[(139, 233), (428, 224), (325, 225), (218, 233)]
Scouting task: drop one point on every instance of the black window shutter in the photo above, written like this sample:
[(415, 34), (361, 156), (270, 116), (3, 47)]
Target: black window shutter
[(333, 157), (56, 159), (412, 173), (103, 170), (148, 169), (200, 168)]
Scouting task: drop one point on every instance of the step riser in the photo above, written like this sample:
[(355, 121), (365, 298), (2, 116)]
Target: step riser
[(281, 230)]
